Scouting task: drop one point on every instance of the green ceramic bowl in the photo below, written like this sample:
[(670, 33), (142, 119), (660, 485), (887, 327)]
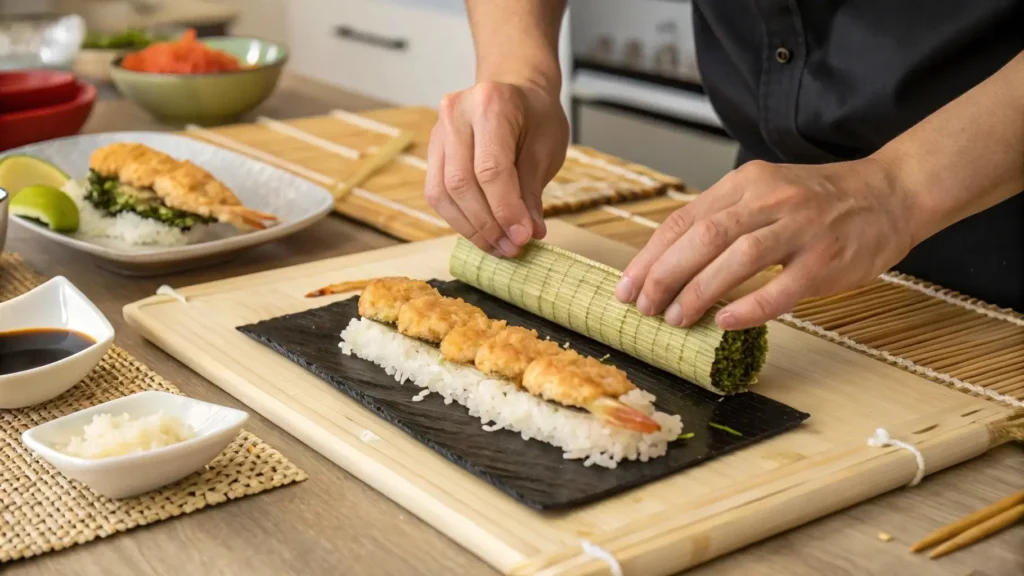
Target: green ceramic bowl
[(207, 99)]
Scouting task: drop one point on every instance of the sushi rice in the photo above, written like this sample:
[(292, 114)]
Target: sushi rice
[(126, 226), (501, 405)]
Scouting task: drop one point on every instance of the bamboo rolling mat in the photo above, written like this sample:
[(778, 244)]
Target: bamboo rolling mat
[(42, 511), (927, 330), (328, 149)]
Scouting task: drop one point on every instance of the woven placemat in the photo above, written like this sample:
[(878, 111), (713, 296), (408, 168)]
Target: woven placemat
[(42, 511)]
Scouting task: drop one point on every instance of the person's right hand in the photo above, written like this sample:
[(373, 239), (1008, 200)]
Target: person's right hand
[(494, 148)]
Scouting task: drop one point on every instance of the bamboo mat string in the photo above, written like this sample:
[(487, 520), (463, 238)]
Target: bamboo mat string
[(330, 146), (608, 166), (630, 216), (945, 297), (595, 551), (364, 122), (881, 438)]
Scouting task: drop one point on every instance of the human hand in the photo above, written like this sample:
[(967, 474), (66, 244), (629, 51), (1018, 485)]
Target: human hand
[(494, 148), (833, 227)]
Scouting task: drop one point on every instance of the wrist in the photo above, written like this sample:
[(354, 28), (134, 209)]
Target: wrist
[(916, 211), (541, 74)]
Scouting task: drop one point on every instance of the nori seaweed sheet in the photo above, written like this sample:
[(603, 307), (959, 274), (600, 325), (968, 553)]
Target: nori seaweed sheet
[(531, 472)]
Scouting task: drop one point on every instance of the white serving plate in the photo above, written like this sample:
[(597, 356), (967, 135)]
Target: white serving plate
[(55, 304), (124, 476), (297, 203)]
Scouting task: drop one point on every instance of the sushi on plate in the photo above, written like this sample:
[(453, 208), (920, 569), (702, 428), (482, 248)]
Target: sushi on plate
[(143, 196)]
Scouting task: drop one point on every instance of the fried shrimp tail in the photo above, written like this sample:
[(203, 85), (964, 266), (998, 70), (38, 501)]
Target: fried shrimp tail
[(618, 414), (573, 380), (340, 288)]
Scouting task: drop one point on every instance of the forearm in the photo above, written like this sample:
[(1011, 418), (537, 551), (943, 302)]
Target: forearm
[(517, 41), (964, 158)]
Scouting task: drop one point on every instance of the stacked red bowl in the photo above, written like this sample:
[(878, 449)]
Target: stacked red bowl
[(38, 105)]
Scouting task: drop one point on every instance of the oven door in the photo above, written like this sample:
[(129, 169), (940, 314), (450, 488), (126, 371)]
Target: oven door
[(669, 126)]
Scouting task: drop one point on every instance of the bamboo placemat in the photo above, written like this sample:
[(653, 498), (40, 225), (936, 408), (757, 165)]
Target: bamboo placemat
[(933, 332), (327, 149), (42, 511)]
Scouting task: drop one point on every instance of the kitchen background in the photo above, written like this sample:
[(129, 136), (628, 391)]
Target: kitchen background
[(632, 87)]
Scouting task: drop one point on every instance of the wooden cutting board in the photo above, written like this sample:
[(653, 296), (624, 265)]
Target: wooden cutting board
[(661, 528)]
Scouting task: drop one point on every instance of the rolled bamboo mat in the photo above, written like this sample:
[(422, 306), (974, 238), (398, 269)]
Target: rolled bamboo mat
[(42, 511), (927, 330), (329, 149)]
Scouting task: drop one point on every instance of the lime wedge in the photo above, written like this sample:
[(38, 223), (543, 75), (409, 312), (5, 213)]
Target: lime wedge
[(47, 205), (17, 172)]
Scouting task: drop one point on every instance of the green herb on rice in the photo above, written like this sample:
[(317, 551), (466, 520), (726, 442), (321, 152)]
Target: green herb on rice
[(686, 436), (725, 428), (113, 198)]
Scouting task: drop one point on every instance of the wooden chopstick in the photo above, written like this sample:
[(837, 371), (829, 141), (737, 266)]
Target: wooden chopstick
[(380, 158), (991, 517), (983, 530)]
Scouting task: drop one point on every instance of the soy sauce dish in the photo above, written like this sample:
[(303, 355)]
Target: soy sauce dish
[(50, 338)]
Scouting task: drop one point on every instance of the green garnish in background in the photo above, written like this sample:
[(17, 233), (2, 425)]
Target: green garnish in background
[(129, 39)]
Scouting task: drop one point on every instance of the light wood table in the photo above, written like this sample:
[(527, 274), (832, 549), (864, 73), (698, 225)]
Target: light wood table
[(334, 524)]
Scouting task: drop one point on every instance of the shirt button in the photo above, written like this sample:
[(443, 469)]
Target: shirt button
[(782, 55)]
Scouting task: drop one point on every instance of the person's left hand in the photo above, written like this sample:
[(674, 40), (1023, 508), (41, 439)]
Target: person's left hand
[(832, 227)]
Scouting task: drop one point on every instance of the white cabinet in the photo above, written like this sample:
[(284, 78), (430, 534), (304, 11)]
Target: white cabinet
[(396, 52), (405, 52)]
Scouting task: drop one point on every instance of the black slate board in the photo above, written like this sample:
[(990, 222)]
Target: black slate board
[(531, 472)]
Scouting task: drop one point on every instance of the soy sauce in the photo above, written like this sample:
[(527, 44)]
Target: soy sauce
[(22, 350)]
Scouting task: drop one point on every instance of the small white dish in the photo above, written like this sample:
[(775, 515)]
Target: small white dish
[(116, 477), (57, 304), (297, 203)]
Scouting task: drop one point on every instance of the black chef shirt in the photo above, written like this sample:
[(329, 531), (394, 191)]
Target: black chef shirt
[(819, 81)]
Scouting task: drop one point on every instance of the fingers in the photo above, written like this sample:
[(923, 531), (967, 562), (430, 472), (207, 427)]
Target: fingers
[(437, 195), (719, 197), (700, 246), (797, 281), (495, 137), (747, 256), (460, 178)]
